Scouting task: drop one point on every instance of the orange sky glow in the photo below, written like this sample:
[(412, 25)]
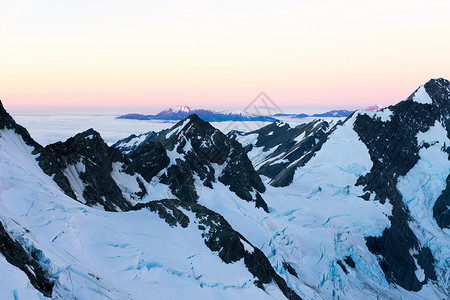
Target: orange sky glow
[(146, 55)]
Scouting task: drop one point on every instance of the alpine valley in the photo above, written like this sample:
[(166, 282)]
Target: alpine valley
[(357, 209)]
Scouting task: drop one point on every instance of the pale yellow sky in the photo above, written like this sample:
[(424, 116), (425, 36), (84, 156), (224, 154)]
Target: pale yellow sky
[(130, 54)]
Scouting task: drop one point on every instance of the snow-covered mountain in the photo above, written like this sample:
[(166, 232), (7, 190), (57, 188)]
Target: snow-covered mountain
[(351, 210), (182, 112), (397, 157), (64, 247), (376, 107), (130, 143), (279, 149), (339, 113)]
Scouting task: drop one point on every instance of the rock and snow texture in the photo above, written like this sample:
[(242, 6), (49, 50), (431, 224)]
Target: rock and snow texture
[(277, 150), (421, 187), (93, 254), (421, 96), (83, 167), (132, 142), (194, 151), (357, 168), (361, 211)]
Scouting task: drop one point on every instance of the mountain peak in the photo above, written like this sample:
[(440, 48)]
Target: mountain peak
[(435, 92), (2, 109), (439, 81), (89, 134), (182, 112), (5, 118), (185, 109), (374, 108), (194, 117)]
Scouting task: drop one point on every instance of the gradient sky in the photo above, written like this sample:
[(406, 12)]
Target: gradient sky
[(146, 55)]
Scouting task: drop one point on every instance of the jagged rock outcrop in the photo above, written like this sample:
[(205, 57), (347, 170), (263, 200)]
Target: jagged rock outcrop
[(277, 150), (129, 144), (394, 151), (82, 167), (86, 165), (193, 149), (16, 255), (386, 200), (7, 122)]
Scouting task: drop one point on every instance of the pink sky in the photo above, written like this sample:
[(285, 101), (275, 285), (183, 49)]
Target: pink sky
[(128, 56)]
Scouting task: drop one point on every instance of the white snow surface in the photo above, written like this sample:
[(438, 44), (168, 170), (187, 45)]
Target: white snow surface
[(319, 219), (421, 96), (312, 223), (14, 283), (420, 188), (384, 114), (104, 255), (72, 172), (134, 142)]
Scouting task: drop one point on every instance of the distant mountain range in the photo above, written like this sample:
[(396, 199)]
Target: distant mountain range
[(343, 113), (182, 112), (350, 209)]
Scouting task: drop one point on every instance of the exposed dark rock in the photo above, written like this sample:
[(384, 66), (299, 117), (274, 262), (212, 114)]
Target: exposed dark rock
[(285, 148), (96, 158), (148, 160), (349, 261), (7, 122), (282, 173), (441, 210), (198, 149), (393, 148), (220, 237), (341, 264), (16, 255), (129, 144), (288, 267), (168, 210)]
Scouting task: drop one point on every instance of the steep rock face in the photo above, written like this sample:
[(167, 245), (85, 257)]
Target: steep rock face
[(95, 254), (441, 211), (7, 122), (129, 144), (83, 167), (277, 150), (220, 237), (194, 150), (148, 160), (394, 151), (16, 255)]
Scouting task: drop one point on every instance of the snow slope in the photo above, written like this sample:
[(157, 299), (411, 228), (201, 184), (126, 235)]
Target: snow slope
[(92, 254), (328, 233), (319, 223)]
